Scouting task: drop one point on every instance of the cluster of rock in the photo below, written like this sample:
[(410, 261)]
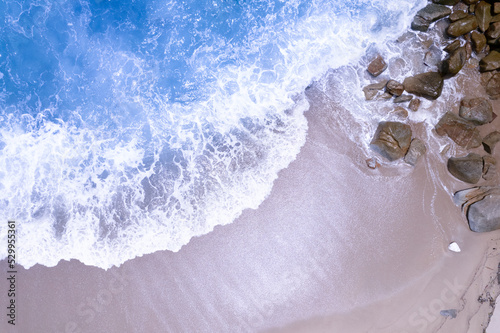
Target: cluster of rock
[(478, 25), (475, 26)]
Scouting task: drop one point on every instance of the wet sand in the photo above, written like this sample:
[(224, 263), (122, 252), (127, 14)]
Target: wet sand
[(336, 247)]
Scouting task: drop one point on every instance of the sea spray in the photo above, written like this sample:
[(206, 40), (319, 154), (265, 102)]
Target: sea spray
[(129, 127)]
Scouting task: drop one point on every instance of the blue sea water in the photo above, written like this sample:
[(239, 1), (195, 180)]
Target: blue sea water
[(128, 127)]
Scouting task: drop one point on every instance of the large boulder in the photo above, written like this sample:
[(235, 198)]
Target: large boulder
[(428, 85), (481, 205), (391, 140), (484, 215), (429, 14), (416, 150), (490, 62), (463, 26), (468, 169), (483, 15), (476, 110), (463, 132), (454, 63)]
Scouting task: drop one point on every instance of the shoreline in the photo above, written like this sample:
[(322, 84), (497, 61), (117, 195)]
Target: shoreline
[(367, 255)]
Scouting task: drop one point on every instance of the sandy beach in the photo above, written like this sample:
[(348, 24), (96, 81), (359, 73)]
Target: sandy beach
[(336, 247)]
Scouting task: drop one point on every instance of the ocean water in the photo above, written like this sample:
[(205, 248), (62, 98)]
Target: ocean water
[(128, 127)]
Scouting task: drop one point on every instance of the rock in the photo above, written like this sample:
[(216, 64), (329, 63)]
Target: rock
[(458, 15), (490, 62), (414, 104), (416, 150), (452, 312), (429, 14), (432, 57), (489, 167), (478, 41), (493, 32), (468, 169), (493, 86), (391, 140), (496, 8), (446, 2), (484, 215), (461, 7), (400, 112), (454, 63), (495, 18), (472, 8), (394, 88), (463, 26), (452, 46), (461, 131), (403, 98), (428, 85), (490, 141), (476, 110), (470, 2), (372, 90), (385, 95), (372, 163), (377, 66), (483, 15)]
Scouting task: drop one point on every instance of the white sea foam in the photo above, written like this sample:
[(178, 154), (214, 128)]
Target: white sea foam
[(174, 170)]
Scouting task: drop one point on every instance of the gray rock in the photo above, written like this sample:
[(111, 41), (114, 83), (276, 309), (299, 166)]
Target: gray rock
[(490, 62), (476, 110), (377, 66), (432, 57), (463, 26), (429, 14), (454, 63), (490, 141), (468, 169), (463, 132), (484, 215), (394, 88), (428, 85), (483, 15), (416, 150), (403, 98), (391, 140)]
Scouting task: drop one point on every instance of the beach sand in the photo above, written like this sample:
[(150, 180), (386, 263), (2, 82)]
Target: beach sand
[(336, 247)]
